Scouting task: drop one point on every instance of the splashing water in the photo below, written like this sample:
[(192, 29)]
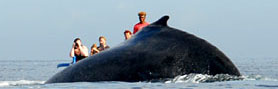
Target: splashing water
[(204, 78), (258, 77), (20, 82)]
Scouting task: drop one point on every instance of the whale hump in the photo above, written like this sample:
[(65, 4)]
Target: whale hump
[(156, 52), (162, 21)]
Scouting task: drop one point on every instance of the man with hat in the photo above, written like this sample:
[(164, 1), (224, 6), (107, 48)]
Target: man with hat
[(142, 23)]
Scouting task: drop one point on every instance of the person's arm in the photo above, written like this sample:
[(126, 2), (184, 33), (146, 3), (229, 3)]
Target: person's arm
[(95, 49), (134, 29), (72, 50), (84, 51)]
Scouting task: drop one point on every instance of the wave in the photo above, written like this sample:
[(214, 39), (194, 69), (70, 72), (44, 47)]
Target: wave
[(20, 82), (204, 78), (189, 78), (258, 77)]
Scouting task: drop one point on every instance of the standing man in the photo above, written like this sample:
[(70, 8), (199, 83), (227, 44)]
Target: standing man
[(142, 23)]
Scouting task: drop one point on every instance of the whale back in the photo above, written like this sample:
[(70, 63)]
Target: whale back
[(155, 52)]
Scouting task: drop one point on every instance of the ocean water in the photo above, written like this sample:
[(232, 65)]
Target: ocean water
[(257, 73)]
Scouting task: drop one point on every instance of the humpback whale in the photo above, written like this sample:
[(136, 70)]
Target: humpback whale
[(155, 52)]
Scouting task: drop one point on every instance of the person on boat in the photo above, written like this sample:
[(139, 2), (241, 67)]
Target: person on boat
[(128, 34), (78, 50), (94, 49), (102, 44), (142, 23)]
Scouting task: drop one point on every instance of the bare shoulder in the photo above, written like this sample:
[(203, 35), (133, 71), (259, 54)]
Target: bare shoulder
[(85, 47)]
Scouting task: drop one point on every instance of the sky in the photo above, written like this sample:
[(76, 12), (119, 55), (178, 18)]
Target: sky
[(45, 29)]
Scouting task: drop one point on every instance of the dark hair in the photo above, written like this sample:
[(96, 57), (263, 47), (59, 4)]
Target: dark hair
[(76, 39), (102, 37), (127, 31)]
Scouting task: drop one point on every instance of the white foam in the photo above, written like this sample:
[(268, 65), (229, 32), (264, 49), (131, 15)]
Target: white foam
[(20, 82), (258, 77), (191, 78), (200, 78)]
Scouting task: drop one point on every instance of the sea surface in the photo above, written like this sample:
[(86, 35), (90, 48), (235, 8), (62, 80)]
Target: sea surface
[(257, 73)]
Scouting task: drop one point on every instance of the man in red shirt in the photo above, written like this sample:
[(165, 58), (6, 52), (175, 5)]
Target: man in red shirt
[(142, 23)]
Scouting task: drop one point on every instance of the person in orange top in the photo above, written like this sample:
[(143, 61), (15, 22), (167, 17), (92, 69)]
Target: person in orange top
[(142, 23), (94, 50)]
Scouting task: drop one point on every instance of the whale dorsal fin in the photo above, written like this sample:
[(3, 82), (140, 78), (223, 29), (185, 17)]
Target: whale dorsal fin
[(162, 21)]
